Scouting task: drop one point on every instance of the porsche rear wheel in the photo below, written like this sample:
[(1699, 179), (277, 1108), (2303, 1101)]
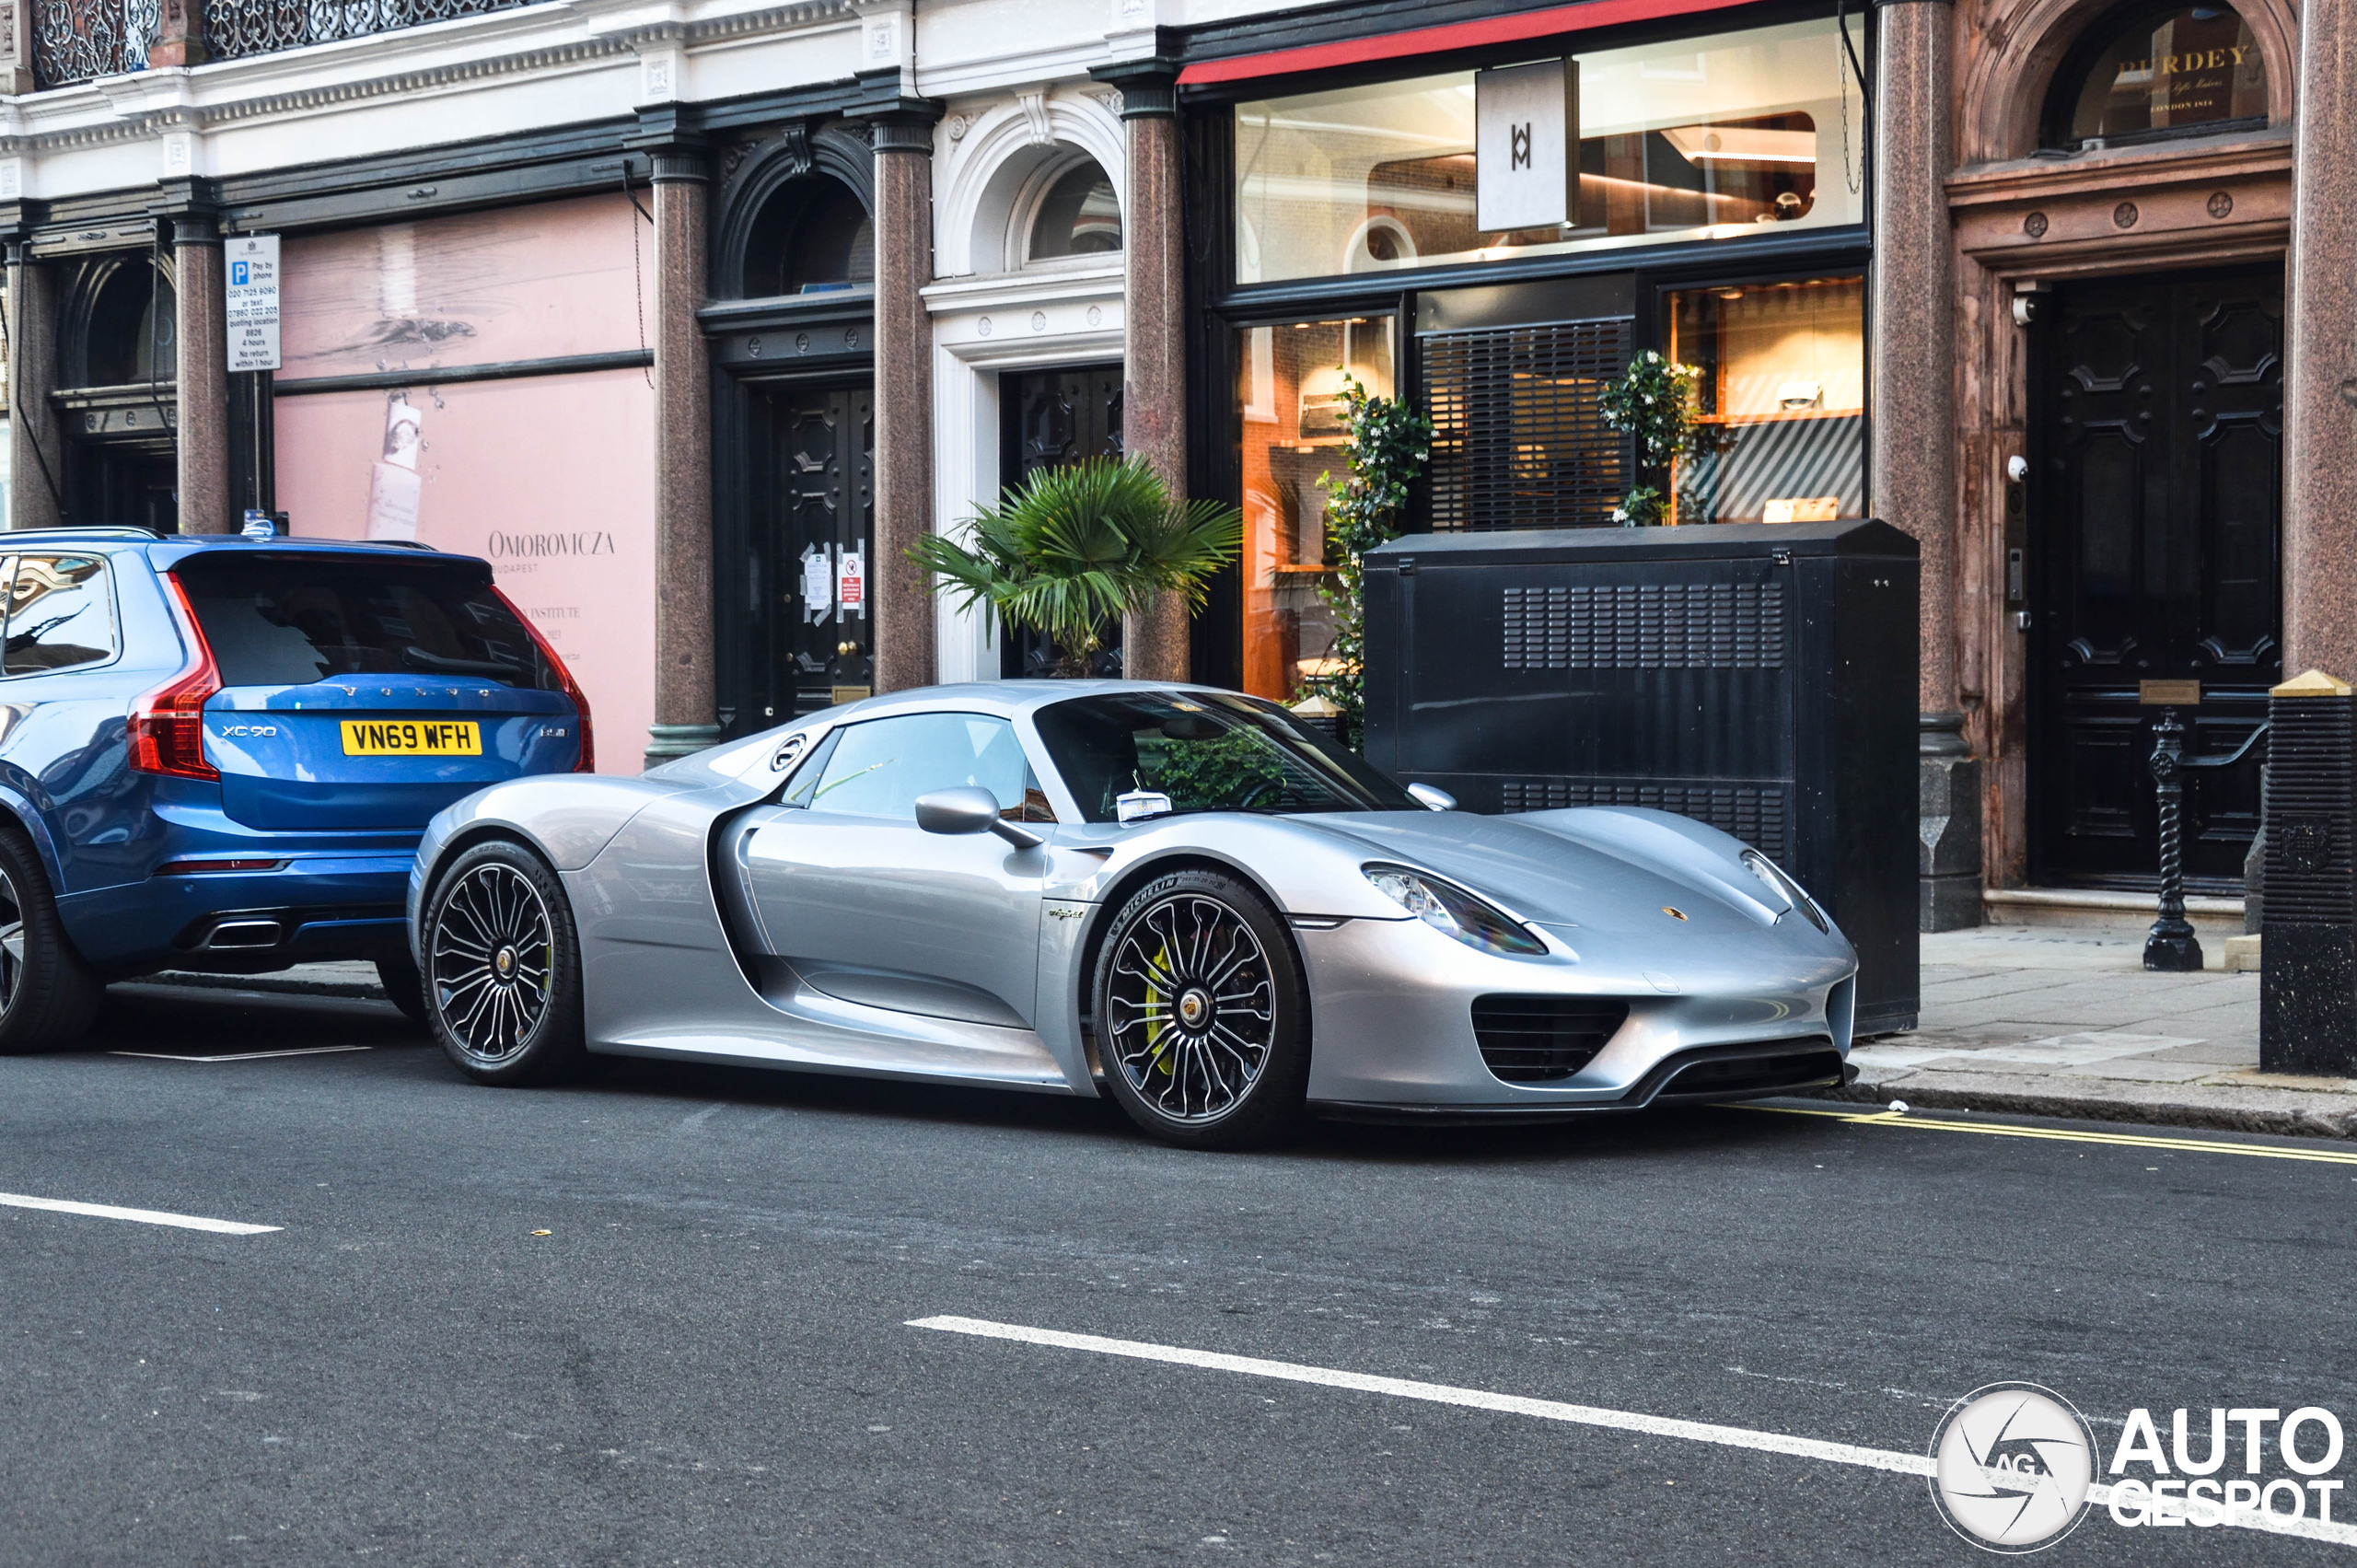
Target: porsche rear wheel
[(503, 968), (1201, 1018)]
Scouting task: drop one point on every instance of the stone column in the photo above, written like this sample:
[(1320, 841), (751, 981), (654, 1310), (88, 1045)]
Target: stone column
[(902, 620), (1154, 304), (36, 446), (2320, 359), (686, 719), (1911, 431), (202, 403), (17, 48)]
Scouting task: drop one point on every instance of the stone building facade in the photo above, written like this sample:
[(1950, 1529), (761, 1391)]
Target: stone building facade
[(691, 315)]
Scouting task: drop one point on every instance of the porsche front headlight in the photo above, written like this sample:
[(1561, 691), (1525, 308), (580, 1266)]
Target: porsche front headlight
[(1785, 887), (1452, 911)]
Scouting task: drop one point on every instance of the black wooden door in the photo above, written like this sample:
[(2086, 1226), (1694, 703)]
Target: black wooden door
[(1048, 418), (2156, 535), (814, 559)]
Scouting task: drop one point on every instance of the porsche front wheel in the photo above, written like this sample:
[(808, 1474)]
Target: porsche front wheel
[(503, 968), (1201, 1018)]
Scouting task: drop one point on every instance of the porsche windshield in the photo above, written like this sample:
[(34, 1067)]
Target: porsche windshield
[(1208, 751)]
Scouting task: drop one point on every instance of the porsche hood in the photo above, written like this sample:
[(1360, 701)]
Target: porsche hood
[(1598, 869)]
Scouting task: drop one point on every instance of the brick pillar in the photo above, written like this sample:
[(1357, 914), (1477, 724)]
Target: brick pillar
[(686, 719), (180, 35), (35, 446), (1154, 391), (901, 622), (202, 407), (2320, 359), (1912, 431)]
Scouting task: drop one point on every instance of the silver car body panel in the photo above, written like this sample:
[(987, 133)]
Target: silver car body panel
[(717, 926)]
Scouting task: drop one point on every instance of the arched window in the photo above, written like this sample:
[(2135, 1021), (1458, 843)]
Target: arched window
[(2156, 71), (1078, 216), (814, 237), (126, 336)]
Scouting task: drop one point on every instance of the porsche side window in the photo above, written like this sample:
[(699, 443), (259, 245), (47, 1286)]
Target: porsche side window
[(879, 769), (803, 781)]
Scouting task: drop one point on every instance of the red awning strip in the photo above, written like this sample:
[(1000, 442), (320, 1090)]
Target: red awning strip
[(1551, 22)]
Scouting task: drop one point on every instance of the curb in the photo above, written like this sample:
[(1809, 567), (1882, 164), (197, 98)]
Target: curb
[(2024, 1097), (277, 984)]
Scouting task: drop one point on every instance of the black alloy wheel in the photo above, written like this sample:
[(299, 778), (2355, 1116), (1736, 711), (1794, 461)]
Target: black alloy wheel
[(1202, 1013), (503, 972), (48, 995)]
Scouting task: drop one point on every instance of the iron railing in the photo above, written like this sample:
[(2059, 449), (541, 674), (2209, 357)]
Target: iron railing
[(74, 40)]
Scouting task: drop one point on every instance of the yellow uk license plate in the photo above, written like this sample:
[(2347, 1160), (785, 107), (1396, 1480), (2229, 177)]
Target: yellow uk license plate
[(411, 737)]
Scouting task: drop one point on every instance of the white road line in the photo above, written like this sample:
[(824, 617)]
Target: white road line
[(1550, 1409), (243, 1055), (143, 1216)]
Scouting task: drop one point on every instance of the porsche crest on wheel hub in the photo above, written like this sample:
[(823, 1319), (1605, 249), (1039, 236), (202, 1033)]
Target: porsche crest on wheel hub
[(492, 957)]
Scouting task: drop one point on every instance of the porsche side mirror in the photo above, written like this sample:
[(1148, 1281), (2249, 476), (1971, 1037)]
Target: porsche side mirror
[(969, 808), (1433, 799)]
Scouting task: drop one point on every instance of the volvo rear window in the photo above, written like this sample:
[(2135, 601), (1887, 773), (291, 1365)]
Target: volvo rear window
[(290, 619)]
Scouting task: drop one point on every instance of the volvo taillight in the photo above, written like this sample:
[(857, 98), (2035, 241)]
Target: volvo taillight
[(167, 724), (587, 762)]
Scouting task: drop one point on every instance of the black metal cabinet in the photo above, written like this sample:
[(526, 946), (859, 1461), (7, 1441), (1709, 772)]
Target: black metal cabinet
[(1760, 678)]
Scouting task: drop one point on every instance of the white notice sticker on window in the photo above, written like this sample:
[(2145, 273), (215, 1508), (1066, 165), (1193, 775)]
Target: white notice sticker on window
[(818, 583)]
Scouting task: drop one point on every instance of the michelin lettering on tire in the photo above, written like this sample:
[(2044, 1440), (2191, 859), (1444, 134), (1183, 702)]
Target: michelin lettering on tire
[(2012, 1464)]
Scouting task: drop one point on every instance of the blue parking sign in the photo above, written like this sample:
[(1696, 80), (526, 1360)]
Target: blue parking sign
[(237, 274)]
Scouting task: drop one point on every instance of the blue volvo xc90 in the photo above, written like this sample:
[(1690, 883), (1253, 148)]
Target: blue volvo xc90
[(218, 753)]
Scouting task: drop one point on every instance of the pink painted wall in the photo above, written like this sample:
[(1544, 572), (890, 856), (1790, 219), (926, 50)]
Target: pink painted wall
[(550, 478), (523, 283)]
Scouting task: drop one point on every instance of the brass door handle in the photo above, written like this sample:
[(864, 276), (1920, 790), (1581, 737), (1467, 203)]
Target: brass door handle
[(846, 648)]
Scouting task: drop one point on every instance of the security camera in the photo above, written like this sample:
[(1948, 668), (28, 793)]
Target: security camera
[(2017, 468), (2025, 309)]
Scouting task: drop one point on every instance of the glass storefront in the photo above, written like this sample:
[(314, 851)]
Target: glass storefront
[(1712, 138), (1784, 384), (1288, 401)]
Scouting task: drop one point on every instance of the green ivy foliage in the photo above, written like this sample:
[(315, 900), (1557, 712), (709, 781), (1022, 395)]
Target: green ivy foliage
[(1389, 444)]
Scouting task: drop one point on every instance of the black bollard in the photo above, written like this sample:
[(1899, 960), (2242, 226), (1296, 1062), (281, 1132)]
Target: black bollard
[(2172, 947), (2307, 982)]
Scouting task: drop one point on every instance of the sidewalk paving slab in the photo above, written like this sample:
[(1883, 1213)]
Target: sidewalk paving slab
[(2057, 1021)]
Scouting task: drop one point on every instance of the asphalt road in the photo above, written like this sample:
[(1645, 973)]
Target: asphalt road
[(705, 1360)]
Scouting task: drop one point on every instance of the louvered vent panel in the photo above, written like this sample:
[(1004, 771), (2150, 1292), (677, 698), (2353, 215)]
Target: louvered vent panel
[(1518, 440), (1757, 815), (1667, 626), (2311, 752)]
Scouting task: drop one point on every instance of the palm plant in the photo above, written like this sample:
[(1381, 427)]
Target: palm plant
[(1078, 547)]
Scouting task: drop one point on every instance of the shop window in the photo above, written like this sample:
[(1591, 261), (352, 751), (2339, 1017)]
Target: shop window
[(125, 336), (1783, 380), (1704, 138), (2170, 71), (1288, 393), (1078, 215), (815, 236)]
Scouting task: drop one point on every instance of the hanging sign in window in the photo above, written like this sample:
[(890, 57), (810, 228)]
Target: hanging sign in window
[(1525, 146), (250, 263)]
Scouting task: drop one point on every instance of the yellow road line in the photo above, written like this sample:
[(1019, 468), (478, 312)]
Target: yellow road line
[(2063, 1135)]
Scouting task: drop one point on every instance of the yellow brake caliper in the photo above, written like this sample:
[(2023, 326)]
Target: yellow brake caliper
[(1156, 1010)]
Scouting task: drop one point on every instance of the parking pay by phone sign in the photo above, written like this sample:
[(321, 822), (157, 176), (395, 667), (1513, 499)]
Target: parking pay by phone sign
[(251, 262), (1526, 139)]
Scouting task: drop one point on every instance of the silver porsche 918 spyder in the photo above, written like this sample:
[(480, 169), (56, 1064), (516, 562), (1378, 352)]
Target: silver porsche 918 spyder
[(1185, 898)]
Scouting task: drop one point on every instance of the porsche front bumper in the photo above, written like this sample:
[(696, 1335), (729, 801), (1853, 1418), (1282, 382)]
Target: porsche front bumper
[(1739, 1015)]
